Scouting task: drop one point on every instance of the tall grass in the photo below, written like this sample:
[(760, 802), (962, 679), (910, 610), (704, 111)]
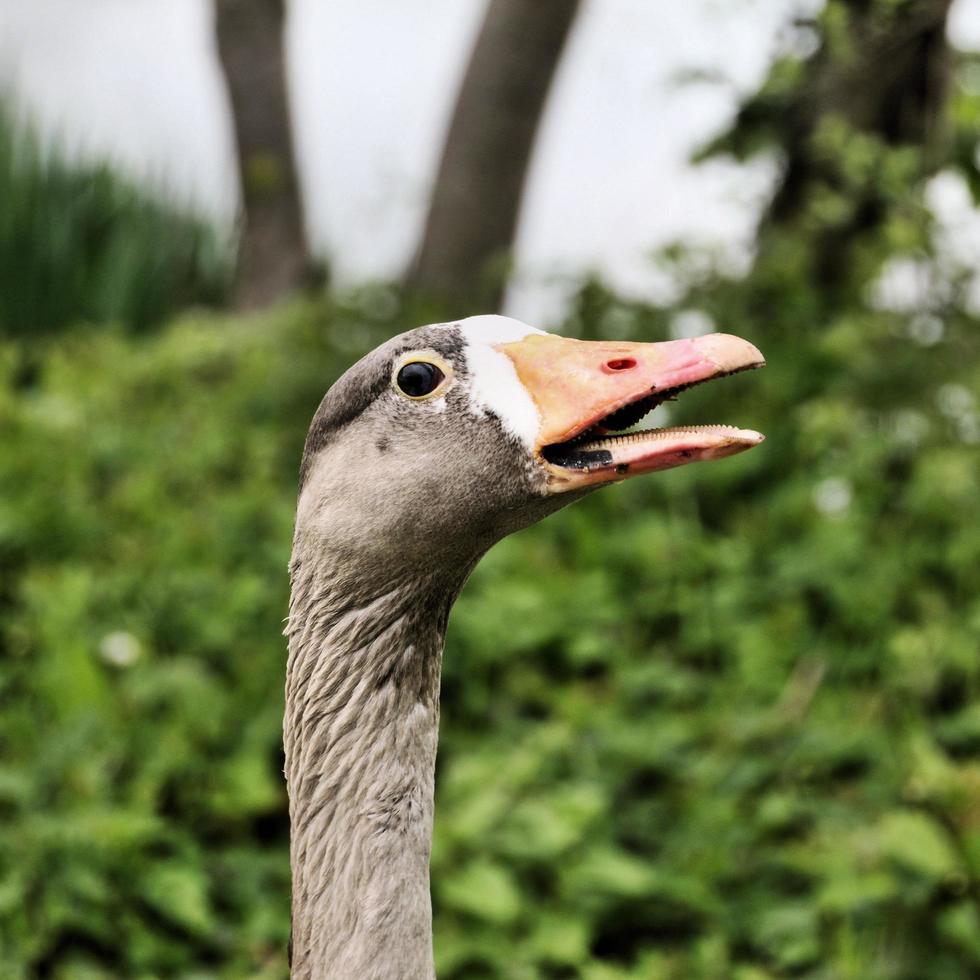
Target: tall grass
[(78, 244)]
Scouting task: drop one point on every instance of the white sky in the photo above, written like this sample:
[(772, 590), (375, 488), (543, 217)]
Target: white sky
[(373, 84)]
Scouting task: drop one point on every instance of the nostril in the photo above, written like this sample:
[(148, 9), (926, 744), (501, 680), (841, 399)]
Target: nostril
[(620, 364)]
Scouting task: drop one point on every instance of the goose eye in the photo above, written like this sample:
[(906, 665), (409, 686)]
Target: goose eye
[(419, 378)]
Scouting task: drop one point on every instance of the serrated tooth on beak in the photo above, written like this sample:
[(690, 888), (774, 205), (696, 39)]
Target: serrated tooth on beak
[(727, 433)]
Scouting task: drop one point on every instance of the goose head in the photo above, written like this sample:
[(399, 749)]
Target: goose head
[(448, 437)]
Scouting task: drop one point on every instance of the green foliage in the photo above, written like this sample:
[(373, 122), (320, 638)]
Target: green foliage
[(718, 722), (79, 244), (722, 722)]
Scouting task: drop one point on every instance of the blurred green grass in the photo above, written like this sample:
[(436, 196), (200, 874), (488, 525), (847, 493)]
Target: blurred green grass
[(721, 722), (80, 244)]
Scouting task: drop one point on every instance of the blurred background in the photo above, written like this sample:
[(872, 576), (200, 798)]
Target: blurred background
[(722, 722)]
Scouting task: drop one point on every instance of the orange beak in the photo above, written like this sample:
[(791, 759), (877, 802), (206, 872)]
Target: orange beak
[(585, 389)]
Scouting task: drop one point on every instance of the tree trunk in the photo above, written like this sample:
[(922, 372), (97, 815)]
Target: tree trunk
[(476, 201), (273, 257), (877, 82), (891, 81), (884, 72)]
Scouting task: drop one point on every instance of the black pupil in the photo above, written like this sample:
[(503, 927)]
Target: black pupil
[(419, 378)]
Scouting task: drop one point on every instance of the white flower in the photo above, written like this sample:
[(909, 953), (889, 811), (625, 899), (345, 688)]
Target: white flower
[(120, 649), (926, 330), (833, 496), (955, 401), (910, 426)]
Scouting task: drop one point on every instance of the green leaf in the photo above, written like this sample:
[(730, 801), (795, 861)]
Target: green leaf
[(485, 890), (918, 843)]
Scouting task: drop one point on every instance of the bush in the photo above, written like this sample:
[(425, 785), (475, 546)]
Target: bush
[(719, 722)]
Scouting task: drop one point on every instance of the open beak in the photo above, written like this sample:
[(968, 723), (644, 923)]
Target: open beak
[(587, 392)]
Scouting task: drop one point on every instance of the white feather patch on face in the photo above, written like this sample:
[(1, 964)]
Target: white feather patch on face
[(494, 385)]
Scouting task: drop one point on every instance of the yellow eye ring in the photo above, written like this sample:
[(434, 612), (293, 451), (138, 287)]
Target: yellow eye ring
[(421, 375)]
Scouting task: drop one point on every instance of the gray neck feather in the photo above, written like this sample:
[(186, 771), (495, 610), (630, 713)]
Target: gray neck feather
[(360, 734), (398, 503)]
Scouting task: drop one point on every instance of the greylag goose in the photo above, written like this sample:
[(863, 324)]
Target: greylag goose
[(420, 457)]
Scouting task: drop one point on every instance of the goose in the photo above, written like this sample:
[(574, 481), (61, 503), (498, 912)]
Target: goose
[(426, 452)]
